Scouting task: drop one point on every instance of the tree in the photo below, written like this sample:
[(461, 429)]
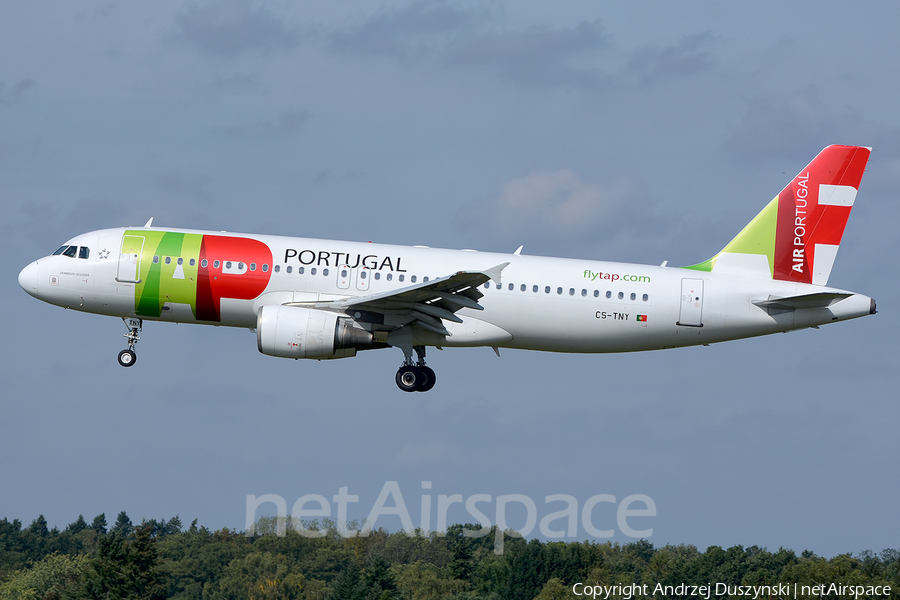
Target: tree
[(39, 527), (99, 524), (126, 570), (123, 526), (79, 525), (55, 576)]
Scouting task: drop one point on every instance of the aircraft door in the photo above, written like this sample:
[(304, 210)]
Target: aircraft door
[(130, 259), (691, 313), (362, 278)]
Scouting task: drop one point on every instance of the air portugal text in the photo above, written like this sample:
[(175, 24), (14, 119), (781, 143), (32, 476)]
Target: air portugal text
[(338, 259)]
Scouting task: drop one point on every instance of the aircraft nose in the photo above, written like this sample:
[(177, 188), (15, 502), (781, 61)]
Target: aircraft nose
[(28, 279)]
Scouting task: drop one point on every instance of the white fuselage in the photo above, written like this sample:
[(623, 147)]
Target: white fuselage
[(539, 303)]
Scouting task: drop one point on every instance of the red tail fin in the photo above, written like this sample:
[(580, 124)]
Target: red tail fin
[(812, 212)]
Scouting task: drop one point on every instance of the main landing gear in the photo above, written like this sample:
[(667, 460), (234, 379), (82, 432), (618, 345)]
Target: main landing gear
[(415, 376), (127, 357)]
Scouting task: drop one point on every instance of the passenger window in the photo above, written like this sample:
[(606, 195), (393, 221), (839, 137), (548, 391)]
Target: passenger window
[(645, 297), (609, 294), (252, 266), (487, 285), (216, 264), (499, 286), (424, 279), (168, 260), (633, 296), (596, 293), (547, 289), (559, 290), (362, 274), (156, 260), (390, 276), (204, 263), (401, 277), (240, 266), (300, 270), (84, 252), (289, 269), (584, 292), (278, 269), (60, 251), (621, 295), (227, 264), (312, 271), (413, 279), (377, 276), (571, 291), (180, 261), (511, 287), (192, 262), (343, 272), (265, 267), (522, 287)]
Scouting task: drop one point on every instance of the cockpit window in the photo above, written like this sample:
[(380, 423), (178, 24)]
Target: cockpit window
[(70, 251), (84, 252), (61, 250)]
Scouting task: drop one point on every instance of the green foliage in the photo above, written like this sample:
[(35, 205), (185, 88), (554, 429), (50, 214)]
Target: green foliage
[(125, 569), (159, 559), (56, 576)]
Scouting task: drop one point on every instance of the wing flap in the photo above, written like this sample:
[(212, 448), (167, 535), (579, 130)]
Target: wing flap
[(425, 304)]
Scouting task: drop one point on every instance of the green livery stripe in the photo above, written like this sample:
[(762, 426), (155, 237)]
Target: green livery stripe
[(161, 282)]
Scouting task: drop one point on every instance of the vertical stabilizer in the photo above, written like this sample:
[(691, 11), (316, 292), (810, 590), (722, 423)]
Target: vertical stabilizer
[(796, 236)]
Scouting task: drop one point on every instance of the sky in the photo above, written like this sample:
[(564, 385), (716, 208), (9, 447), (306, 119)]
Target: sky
[(636, 132)]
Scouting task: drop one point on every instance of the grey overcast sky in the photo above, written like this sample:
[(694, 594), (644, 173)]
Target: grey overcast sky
[(462, 125)]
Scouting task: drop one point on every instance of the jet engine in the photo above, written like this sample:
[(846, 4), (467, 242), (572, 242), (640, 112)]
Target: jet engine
[(296, 332)]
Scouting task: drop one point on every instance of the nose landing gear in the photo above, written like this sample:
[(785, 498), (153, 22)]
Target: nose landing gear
[(128, 357), (415, 377)]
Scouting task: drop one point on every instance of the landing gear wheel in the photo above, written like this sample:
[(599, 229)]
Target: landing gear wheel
[(410, 378), (127, 358), (430, 379)]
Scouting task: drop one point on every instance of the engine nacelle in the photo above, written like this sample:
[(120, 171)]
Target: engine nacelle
[(296, 332)]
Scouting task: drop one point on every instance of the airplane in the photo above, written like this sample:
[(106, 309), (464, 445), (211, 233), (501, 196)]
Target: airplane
[(326, 299)]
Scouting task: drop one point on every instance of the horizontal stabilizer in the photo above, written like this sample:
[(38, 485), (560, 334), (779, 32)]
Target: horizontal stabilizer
[(819, 300)]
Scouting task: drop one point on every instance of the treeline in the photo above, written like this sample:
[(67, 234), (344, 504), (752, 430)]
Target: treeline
[(162, 559)]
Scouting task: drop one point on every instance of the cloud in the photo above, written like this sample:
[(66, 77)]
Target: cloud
[(789, 125), (230, 28), (443, 34), (582, 56), (417, 31), (554, 207), (287, 123), (688, 56), (16, 93), (539, 55)]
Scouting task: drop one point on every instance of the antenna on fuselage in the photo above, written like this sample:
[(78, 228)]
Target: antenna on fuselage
[(149, 223)]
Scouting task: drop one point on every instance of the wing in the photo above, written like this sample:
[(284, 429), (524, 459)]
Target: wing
[(423, 304)]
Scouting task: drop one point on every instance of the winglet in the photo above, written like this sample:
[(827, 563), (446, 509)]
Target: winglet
[(519, 250), (494, 272), (149, 223)]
